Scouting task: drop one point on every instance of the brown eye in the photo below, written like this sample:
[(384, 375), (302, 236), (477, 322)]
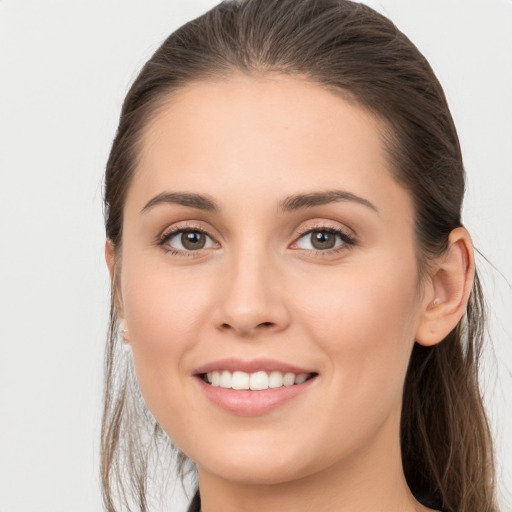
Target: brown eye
[(323, 240), (193, 240), (187, 240)]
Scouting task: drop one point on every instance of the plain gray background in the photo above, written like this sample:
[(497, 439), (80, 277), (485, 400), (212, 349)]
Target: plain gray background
[(65, 67)]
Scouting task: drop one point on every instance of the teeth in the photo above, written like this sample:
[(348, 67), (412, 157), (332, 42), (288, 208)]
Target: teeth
[(259, 380), (301, 378), (275, 380), (225, 379), (240, 380), (289, 379), (254, 381)]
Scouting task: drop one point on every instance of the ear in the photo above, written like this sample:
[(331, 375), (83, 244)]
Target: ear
[(112, 264), (110, 258), (447, 292)]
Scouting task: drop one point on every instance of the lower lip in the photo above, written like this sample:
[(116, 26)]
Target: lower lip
[(252, 403)]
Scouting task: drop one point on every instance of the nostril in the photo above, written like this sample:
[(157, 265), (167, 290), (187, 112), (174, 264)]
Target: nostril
[(244, 329)]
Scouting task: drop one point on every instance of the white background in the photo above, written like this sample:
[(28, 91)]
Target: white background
[(65, 67)]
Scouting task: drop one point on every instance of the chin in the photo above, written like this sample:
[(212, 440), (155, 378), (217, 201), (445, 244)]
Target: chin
[(258, 463), (268, 472)]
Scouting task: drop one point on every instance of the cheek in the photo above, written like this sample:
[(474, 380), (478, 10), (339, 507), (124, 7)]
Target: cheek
[(162, 306), (365, 320), (165, 312)]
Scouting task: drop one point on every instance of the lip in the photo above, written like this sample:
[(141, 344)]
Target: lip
[(250, 366), (248, 402)]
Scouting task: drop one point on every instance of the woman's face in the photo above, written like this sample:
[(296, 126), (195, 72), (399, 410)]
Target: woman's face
[(264, 235)]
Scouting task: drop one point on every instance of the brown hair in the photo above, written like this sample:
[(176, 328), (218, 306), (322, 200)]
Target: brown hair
[(349, 48)]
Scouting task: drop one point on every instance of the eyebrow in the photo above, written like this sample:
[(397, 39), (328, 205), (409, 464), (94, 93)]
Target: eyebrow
[(312, 199), (291, 203), (199, 201)]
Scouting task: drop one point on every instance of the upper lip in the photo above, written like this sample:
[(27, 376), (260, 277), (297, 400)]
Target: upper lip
[(250, 366)]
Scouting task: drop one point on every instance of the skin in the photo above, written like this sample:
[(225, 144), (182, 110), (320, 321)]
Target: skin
[(261, 288)]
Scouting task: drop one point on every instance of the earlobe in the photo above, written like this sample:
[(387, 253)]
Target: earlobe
[(449, 289), (125, 333)]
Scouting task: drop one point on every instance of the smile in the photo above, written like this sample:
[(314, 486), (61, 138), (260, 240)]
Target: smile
[(255, 387), (257, 381)]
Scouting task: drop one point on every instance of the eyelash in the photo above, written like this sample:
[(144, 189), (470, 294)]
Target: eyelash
[(345, 238), (167, 235)]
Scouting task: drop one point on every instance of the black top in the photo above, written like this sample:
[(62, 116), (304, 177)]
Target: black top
[(195, 504)]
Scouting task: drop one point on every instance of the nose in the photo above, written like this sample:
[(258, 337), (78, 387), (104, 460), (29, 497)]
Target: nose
[(251, 298)]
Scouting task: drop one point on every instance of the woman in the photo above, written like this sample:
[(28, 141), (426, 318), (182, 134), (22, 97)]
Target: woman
[(291, 273)]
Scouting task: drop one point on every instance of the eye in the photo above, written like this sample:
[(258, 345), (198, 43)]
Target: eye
[(187, 240), (324, 239)]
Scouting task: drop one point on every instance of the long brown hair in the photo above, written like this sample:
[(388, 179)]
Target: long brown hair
[(348, 48)]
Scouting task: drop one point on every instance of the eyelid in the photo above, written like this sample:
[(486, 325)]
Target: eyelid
[(188, 226), (325, 226)]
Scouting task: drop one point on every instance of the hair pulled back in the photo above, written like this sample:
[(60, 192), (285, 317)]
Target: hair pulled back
[(352, 50)]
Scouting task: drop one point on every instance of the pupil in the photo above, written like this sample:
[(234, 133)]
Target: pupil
[(193, 240), (323, 240)]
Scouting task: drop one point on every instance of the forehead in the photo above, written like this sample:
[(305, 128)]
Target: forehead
[(270, 112), (271, 132)]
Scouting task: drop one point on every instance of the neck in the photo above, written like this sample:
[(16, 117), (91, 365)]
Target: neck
[(369, 480)]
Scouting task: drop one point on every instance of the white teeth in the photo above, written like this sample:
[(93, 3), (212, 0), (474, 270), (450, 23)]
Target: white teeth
[(289, 379), (255, 381), (240, 380), (225, 379), (275, 380), (301, 378), (259, 380)]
